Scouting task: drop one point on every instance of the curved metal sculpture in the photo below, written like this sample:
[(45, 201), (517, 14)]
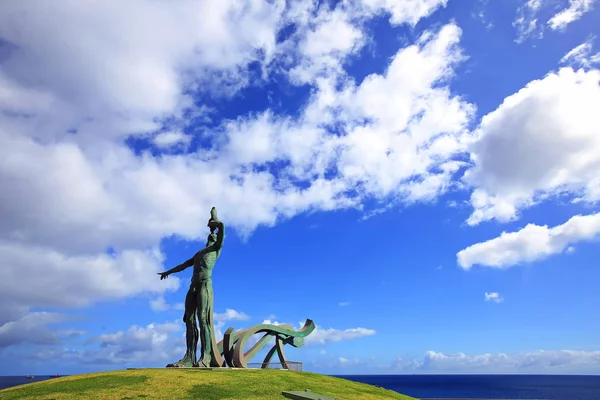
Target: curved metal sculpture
[(231, 348)]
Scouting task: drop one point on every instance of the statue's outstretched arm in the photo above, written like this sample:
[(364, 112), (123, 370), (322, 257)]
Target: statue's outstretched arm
[(183, 266), (178, 268)]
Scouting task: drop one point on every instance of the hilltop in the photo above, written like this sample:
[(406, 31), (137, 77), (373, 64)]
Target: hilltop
[(195, 384)]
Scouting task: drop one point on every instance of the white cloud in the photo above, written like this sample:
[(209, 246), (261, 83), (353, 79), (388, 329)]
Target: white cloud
[(344, 303), (531, 243), (531, 11), (532, 362), (32, 328), (570, 14), (65, 54), (554, 118), (327, 41), (326, 36), (169, 139), (220, 319), (493, 297), (276, 323), (71, 93), (581, 55), (157, 342), (321, 336), (480, 12), (526, 21), (43, 277), (404, 11), (231, 315), (136, 345), (159, 304)]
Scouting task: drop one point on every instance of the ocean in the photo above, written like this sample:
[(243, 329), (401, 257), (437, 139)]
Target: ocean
[(530, 387), (538, 387)]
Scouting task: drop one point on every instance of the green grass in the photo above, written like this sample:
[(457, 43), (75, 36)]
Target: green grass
[(194, 384)]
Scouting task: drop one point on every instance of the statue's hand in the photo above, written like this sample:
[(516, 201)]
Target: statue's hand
[(163, 275)]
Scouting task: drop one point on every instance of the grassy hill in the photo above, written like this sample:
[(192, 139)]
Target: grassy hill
[(195, 384)]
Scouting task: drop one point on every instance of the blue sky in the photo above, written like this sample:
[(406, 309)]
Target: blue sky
[(420, 178)]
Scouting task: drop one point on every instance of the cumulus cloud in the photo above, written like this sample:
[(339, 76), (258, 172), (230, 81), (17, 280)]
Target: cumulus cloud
[(570, 14), (539, 361), (531, 243), (33, 328), (432, 362), (220, 319), (554, 118), (271, 322), (404, 11), (231, 315), (169, 139), (159, 304), (91, 211), (321, 336), (493, 297), (135, 346), (156, 342), (41, 276), (326, 42)]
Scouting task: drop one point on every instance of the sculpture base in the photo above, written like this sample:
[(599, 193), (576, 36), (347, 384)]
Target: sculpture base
[(206, 368)]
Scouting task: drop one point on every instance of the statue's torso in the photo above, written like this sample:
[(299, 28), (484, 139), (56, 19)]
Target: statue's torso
[(204, 264)]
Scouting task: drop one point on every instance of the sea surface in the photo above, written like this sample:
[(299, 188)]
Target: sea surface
[(538, 387), (530, 387), (10, 381)]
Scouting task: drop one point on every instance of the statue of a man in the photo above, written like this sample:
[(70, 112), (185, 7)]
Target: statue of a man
[(199, 300)]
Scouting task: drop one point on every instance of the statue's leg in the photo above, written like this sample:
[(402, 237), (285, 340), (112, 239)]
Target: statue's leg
[(195, 334), (205, 315), (191, 331)]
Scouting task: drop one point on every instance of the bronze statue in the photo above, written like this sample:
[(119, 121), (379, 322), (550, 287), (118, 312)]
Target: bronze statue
[(199, 300), (199, 303)]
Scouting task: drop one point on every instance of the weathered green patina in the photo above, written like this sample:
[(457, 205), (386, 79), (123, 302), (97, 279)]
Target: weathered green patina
[(199, 303), (199, 300), (232, 345)]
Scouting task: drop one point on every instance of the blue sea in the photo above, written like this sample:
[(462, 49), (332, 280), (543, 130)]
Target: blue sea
[(531, 387)]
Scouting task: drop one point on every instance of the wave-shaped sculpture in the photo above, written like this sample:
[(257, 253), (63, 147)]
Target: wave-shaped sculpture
[(231, 348)]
